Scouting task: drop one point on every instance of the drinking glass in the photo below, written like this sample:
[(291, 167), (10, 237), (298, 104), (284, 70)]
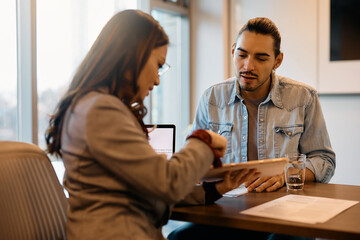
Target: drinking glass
[(295, 172)]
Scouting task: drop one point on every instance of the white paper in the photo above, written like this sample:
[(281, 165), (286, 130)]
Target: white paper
[(299, 208), (237, 191)]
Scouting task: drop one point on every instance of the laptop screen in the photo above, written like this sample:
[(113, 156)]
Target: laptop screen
[(162, 138)]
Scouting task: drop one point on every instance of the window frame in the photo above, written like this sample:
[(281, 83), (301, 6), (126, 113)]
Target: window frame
[(26, 71)]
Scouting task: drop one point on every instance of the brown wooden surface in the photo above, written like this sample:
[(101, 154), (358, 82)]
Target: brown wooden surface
[(226, 212)]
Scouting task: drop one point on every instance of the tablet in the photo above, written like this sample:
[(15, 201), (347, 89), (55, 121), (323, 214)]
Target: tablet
[(267, 168)]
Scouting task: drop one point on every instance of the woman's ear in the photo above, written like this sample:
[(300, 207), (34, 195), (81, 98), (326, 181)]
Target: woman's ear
[(128, 75)]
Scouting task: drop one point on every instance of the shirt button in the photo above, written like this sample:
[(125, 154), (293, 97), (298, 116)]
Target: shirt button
[(261, 119), (289, 133), (244, 137), (243, 158), (261, 140), (245, 117)]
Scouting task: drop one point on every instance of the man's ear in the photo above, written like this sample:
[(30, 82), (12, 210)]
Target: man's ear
[(233, 48), (278, 60)]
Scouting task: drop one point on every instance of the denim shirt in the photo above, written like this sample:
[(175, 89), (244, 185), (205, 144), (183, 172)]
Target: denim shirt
[(290, 120)]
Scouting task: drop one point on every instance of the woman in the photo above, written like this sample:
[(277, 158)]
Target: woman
[(119, 187)]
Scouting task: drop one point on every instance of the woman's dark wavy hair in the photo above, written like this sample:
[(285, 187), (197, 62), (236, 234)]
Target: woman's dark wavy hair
[(124, 44), (263, 26)]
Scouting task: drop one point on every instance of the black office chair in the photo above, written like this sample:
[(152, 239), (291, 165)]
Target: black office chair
[(32, 201)]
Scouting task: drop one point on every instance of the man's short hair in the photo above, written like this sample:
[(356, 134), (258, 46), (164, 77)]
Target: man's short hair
[(264, 26)]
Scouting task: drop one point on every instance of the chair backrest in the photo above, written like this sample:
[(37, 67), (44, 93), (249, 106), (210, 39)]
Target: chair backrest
[(32, 201)]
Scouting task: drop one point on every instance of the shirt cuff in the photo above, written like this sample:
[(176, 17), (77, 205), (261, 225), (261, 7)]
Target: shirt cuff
[(211, 194)]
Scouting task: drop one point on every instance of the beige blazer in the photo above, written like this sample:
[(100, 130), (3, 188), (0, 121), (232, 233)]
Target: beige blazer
[(119, 187)]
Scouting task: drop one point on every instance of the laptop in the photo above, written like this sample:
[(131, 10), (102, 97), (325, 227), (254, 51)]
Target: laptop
[(162, 138)]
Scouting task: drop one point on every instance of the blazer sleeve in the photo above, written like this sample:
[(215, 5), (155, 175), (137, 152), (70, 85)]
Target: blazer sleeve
[(116, 140)]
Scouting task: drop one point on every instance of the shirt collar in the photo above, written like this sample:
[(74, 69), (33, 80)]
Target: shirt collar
[(235, 93), (275, 91)]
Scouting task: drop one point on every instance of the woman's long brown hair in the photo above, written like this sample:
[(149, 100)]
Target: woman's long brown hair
[(124, 44)]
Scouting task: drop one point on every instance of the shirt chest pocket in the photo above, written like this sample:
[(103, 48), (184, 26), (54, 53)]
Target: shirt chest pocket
[(223, 129), (287, 138), (290, 131)]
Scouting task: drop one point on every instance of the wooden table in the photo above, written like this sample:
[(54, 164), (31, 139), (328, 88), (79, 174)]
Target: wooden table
[(225, 212)]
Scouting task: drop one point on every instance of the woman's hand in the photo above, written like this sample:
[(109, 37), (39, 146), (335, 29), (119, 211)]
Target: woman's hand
[(218, 143), (235, 179)]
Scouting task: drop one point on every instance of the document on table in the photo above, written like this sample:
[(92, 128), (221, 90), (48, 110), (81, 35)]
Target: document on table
[(237, 191), (299, 208)]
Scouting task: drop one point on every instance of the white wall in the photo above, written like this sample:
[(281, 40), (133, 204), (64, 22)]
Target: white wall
[(328, 71), (342, 114), (297, 22)]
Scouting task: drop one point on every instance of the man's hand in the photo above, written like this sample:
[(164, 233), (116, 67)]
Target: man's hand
[(268, 184)]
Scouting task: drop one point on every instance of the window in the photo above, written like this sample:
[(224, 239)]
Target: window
[(8, 79), (66, 30), (170, 101)]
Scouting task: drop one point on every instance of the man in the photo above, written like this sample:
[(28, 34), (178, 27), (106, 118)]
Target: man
[(263, 116)]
